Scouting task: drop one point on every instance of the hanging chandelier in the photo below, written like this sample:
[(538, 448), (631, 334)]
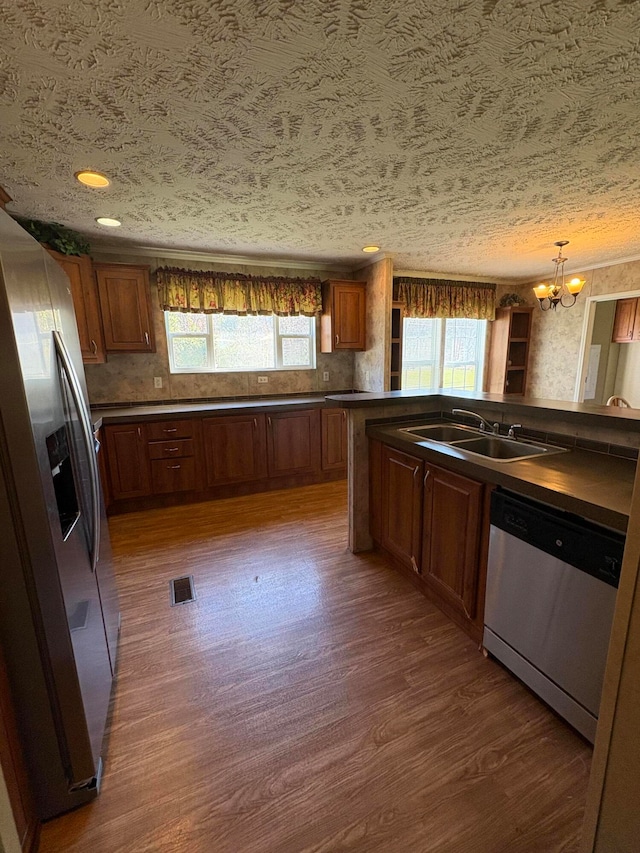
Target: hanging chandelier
[(560, 292)]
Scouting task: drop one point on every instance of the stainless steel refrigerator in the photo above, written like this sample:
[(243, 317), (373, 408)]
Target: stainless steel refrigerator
[(59, 619)]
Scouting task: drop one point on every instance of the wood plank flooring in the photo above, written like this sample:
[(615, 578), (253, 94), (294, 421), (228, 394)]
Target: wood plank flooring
[(310, 701)]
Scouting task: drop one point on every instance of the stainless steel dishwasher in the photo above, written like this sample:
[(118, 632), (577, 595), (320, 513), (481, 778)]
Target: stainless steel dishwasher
[(551, 590)]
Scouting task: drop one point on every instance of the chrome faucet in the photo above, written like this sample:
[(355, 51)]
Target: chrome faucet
[(485, 426)]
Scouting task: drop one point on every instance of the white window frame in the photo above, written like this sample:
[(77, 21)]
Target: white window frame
[(440, 332), (209, 337)]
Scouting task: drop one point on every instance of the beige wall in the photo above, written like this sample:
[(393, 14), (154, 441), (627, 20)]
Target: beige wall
[(128, 377), (372, 367), (556, 335)]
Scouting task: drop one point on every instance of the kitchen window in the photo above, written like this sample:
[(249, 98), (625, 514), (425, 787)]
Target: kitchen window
[(212, 343), (443, 354)]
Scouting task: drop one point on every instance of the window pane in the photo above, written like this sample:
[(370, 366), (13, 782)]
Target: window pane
[(463, 354), (194, 323), (420, 351), (243, 343), (189, 353), (295, 351), (294, 325)]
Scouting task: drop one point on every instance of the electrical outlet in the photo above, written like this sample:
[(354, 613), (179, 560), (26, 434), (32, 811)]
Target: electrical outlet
[(157, 381), (366, 376), (325, 375), (262, 380)]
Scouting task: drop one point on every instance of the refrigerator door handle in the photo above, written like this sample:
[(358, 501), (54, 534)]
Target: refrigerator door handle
[(87, 434)]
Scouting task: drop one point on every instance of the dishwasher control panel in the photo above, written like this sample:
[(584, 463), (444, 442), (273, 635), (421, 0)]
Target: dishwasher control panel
[(576, 541)]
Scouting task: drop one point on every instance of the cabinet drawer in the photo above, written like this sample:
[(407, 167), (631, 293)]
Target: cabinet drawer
[(170, 429), (171, 449), (173, 475)]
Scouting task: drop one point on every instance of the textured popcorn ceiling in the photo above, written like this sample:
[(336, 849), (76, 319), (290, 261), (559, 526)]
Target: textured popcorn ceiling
[(462, 136)]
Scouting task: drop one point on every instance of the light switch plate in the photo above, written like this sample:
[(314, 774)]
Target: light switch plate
[(157, 381), (262, 380)]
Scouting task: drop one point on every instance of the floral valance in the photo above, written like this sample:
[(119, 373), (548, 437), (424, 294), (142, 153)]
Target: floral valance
[(433, 297), (204, 292)]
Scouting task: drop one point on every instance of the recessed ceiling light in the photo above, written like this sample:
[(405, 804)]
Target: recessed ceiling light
[(92, 179), (105, 220), (371, 249)]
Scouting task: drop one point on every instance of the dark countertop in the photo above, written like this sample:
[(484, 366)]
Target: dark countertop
[(610, 416), (161, 411), (593, 485)]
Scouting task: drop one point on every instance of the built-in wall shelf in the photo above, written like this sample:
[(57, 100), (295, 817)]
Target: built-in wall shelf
[(395, 378), (509, 352)]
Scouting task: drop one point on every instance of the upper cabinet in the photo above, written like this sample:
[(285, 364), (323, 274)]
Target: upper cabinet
[(509, 352), (125, 301), (626, 325), (343, 323), (85, 302)]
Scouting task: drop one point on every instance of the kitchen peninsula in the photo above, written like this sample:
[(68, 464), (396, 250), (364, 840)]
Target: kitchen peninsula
[(595, 479)]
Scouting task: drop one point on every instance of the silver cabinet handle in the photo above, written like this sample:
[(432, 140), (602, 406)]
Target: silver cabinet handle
[(146, 338), (94, 347), (269, 422), (170, 430), (171, 449), (173, 467), (337, 339), (255, 423)]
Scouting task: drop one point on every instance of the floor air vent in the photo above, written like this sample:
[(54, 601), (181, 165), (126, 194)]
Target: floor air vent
[(182, 590)]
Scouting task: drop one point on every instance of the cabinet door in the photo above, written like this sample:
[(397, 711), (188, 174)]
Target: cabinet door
[(86, 304), (343, 321), (623, 324), (126, 308), (293, 442), (174, 475), (401, 506), (451, 538), (235, 449), (334, 439), (349, 313), (128, 463)]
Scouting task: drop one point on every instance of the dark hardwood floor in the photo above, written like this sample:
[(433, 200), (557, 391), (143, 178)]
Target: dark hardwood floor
[(310, 701)]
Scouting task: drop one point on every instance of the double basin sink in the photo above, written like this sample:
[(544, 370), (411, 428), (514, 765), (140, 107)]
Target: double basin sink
[(490, 446)]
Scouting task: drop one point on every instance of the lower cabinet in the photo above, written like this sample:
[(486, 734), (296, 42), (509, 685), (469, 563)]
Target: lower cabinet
[(128, 466), (293, 442), (235, 449), (401, 517), (451, 539), (435, 523), (334, 439), (199, 458)]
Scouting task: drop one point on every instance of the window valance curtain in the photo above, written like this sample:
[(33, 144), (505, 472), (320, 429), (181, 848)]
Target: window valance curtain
[(204, 292), (433, 297)]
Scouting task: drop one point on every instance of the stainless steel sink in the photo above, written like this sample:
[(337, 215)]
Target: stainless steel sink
[(494, 447), (505, 449), (443, 432)]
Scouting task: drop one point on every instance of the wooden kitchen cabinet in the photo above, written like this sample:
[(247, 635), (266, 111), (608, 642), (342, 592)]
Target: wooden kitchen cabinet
[(401, 506), (509, 351), (125, 302), (173, 451), (334, 439), (343, 321), (293, 442), (626, 324), (434, 524), (84, 292), (452, 515), (129, 475), (235, 449)]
